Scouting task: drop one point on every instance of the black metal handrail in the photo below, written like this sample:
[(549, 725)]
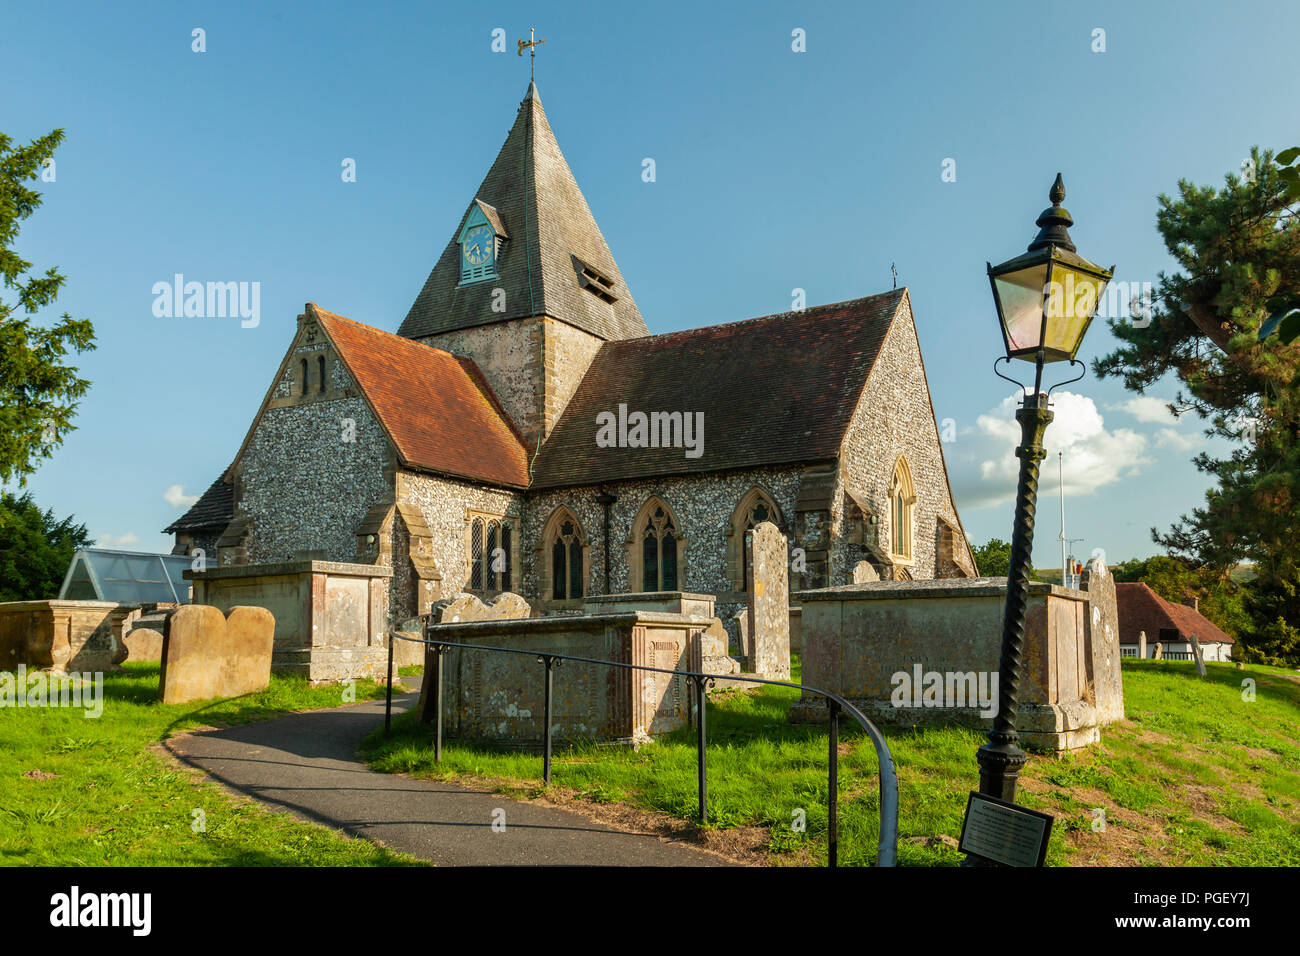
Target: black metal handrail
[(887, 848)]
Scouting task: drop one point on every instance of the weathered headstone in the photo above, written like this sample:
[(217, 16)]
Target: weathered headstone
[(740, 623), (1102, 633), (1142, 645), (769, 603), (206, 654), (467, 609), (143, 644), (1197, 654), (865, 571)]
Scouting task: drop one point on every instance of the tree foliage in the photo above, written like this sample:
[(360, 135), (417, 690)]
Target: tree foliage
[(38, 391), (1238, 253), (994, 559), (35, 549)]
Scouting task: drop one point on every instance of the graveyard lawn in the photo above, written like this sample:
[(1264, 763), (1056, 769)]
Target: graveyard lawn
[(79, 791), (1196, 775)]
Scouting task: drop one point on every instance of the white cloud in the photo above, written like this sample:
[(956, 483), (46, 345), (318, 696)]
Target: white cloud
[(116, 541), (177, 498), (1146, 408), (1168, 438), (986, 470)]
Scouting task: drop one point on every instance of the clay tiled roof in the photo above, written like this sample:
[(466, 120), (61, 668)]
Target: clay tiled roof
[(531, 193), (1141, 609), (437, 409), (214, 509), (773, 390)]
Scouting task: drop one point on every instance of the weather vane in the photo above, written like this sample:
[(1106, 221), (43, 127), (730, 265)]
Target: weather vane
[(532, 51)]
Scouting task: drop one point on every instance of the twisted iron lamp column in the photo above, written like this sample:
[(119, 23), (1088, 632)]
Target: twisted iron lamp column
[(1001, 759)]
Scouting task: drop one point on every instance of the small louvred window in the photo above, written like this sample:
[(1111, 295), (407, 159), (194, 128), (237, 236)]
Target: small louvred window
[(594, 281)]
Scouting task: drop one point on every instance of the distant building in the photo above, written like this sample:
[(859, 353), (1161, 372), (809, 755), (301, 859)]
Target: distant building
[(1171, 625)]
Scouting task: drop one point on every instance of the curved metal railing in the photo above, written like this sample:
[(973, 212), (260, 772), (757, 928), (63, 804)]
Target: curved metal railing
[(887, 848)]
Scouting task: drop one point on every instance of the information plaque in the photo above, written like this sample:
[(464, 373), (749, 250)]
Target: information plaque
[(1004, 832)]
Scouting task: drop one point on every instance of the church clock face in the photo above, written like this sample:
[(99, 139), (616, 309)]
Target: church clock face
[(479, 245)]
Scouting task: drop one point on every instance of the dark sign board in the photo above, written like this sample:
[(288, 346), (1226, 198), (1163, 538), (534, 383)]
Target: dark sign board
[(1005, 833)]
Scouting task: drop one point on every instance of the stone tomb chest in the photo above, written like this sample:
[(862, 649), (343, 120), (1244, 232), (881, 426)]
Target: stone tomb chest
[(500, 697), (330, 617), (873, 643)]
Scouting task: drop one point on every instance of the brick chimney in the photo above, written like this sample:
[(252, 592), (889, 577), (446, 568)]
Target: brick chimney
[(1191, 600)]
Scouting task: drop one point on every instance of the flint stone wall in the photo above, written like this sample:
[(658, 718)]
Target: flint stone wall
[(858, 637), (895, 417), (207, 654), (304, 487)]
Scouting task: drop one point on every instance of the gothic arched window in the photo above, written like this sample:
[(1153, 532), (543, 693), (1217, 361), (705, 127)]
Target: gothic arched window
[(657, 545), (902, 499), (476, 555), (304, 376), (566, 547), (320, 371), (757, 506), (491, 561)]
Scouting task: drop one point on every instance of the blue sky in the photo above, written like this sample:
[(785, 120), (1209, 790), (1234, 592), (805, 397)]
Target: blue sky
[(775, 170)]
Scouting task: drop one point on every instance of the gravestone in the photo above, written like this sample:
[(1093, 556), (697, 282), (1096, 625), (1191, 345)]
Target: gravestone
[(1197, 655), (143, 644), (769, 603), (467, 609), (865, 571), (1102, 634), (206, 654)]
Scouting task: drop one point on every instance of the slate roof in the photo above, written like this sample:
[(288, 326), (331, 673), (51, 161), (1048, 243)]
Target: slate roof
[(436, 407), (773, 390), (538, 202), (214, 509), (1141, 609)]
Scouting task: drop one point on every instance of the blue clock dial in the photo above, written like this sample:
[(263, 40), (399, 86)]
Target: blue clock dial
[(479, 246)]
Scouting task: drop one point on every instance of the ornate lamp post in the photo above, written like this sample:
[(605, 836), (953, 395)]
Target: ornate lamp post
[(1046, 299)]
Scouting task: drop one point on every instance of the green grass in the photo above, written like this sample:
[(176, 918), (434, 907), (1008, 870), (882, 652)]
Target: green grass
[(1195, 776), (115, 802)]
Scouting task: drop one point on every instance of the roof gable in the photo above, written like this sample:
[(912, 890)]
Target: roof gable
[(773, 390), (530, 195)]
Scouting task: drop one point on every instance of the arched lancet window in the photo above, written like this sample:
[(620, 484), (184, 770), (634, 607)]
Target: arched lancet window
[(491, 562), (902, 498), (320, 371), (504, 578), (304, 376), (656, 549), (476, 555), (566, 548), (757, 506)]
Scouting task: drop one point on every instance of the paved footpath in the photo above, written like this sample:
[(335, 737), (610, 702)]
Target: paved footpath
[(308, 764)]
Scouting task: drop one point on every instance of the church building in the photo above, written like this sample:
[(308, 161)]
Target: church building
[(523, 431)]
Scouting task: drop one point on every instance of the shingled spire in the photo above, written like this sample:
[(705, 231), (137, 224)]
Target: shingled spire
[(555, 261)]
